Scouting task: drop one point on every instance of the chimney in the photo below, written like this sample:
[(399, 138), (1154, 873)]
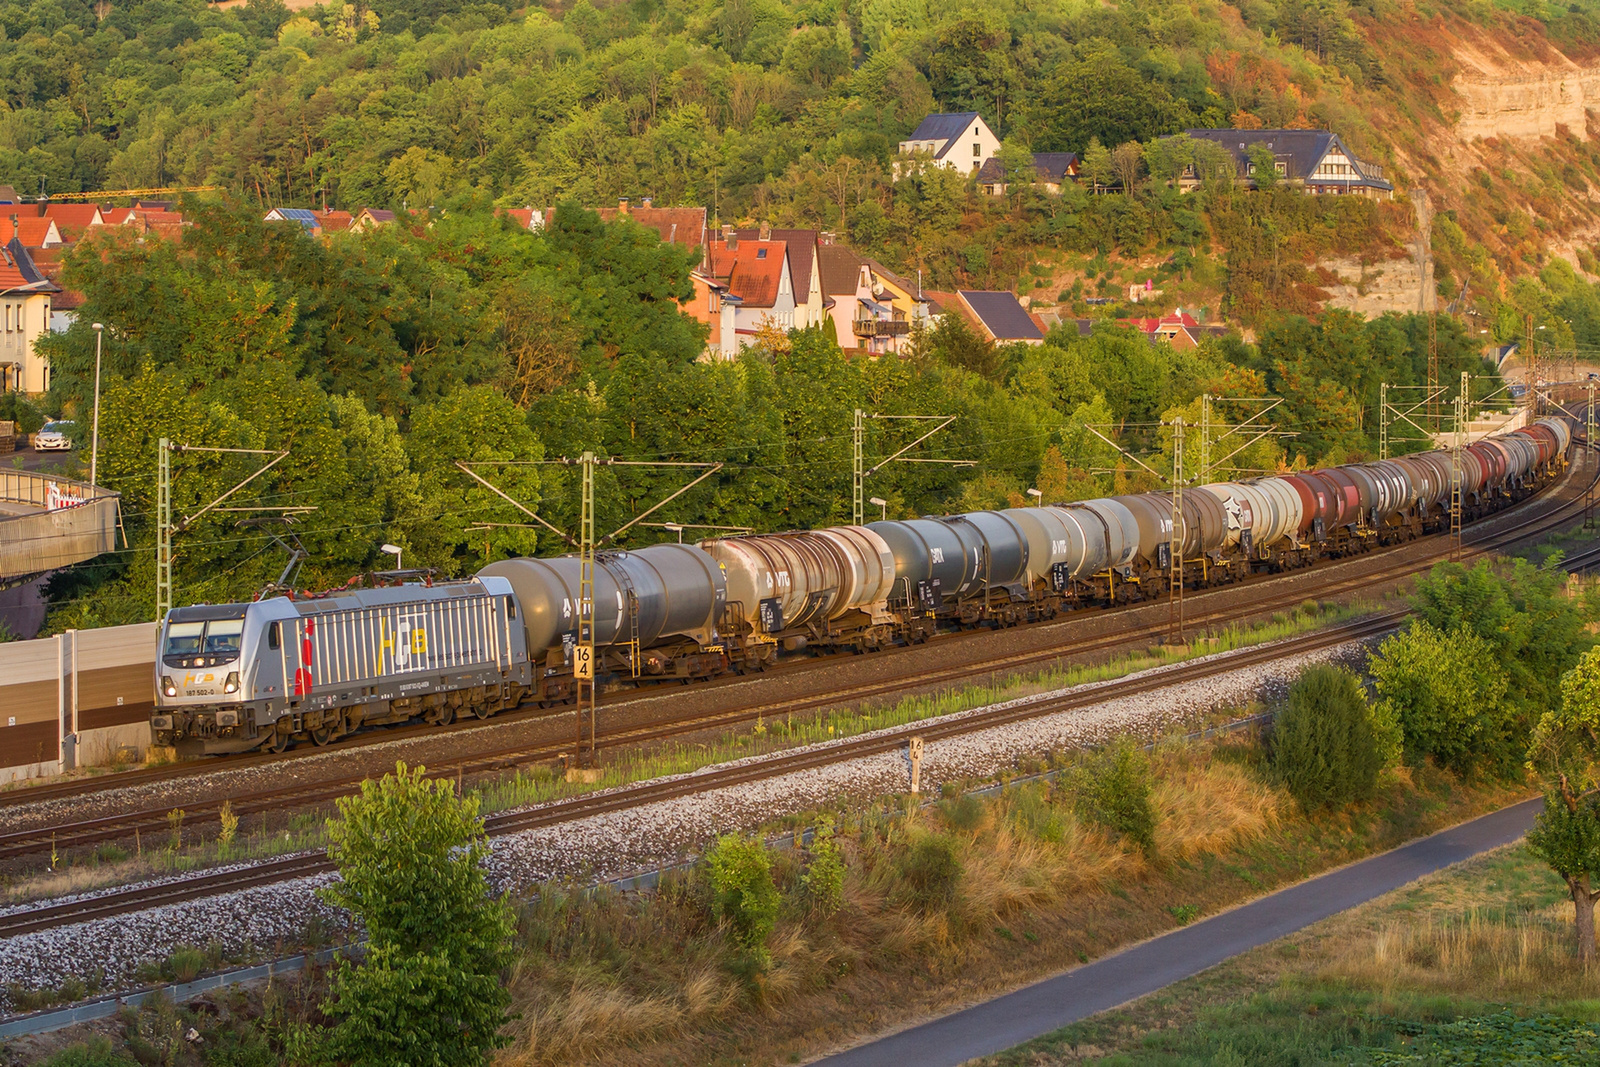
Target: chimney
[(729, 241), (765, 233), (622, 205), (646, 201)]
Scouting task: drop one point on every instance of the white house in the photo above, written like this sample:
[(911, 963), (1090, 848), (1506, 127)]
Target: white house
[(961, 142)]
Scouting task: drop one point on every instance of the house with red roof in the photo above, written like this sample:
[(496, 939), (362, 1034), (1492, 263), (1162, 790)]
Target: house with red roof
[(757, 274), (1180, 329), (25, 298), (32, 232), (73, 219), (800, 246)]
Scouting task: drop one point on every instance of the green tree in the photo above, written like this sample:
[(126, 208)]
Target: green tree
[(1324, 747), (1099, 96), (1564, 755), (410, 855), (1447, 692)]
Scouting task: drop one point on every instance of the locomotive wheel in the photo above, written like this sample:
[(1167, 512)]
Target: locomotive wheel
[(482, 711), (322, 735), (279, 743), (443, 715)]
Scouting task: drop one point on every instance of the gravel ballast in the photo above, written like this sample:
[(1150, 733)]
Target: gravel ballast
[(257, 922)]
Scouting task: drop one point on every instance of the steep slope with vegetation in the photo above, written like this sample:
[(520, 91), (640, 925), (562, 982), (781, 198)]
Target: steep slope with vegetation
[(791, 111)]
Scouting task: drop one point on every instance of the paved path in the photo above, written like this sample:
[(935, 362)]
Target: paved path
[(999, 1024)]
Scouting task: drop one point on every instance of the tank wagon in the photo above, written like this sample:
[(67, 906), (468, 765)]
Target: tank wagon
[(316, 669)]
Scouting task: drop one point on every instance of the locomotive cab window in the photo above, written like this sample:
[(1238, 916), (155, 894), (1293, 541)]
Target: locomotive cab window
[(511, 607), (184, 638), (223, 637), (272, 637)]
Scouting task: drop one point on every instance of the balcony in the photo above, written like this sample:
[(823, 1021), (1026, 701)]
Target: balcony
[(881, 327)]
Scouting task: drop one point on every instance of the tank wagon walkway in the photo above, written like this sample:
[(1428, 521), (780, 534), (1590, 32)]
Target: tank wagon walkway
[(48, 522), (1010, 1020)]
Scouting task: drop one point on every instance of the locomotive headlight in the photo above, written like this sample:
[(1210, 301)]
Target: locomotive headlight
[(232, 684), (168, 686)]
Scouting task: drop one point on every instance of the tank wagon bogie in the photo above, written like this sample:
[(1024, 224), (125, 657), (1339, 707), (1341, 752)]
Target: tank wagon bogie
[(233, 677)]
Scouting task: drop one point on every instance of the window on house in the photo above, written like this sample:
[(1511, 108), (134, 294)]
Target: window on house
[(977, 150), (761, 253)]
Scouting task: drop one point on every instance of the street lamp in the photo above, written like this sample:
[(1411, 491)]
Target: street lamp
[(395, 551), (94, 438), (882, 504), (672, 526), (1038, 497)]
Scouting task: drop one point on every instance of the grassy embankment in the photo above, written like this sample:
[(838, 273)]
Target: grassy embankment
[(1478, 959), (939, 906)]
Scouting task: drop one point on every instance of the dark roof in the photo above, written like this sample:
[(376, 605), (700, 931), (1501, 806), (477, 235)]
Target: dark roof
[(840, 269), (799, 243), (1054, 166), (18, 272), (1002, 315), (1300, 150), (304, 216), (943, 127)]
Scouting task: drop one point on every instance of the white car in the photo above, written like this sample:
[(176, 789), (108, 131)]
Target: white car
[(53, 437)]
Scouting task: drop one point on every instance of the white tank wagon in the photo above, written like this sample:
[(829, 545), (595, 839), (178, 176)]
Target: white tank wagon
[(235, 677), (657, 613), (829, 585)]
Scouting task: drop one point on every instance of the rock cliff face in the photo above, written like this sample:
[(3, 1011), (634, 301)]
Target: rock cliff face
[(1523, 96), (1531, 103)]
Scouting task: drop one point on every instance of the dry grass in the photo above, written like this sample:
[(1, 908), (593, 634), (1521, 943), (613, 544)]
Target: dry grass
[(649, 980), (1481, 954)]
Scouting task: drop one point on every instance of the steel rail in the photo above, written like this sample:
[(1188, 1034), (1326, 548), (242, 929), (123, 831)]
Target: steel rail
[(122, 825)]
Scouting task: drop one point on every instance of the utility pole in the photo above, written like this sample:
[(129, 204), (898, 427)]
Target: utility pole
[(1531, 396), (1433, 365), (860, 472), (165, 527), (1589, 445), (1455, 465), (1204, 477), (94, 434), (583, 667), (857, 433), (1178, 536), (1391, 412), (1383, 421)]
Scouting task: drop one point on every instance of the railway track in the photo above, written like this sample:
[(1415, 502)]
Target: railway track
[(555, 813), (124, 825)]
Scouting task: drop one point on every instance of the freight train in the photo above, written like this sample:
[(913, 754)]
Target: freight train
[(236, 677)]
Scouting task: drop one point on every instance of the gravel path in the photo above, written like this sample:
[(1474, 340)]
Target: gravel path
[(258, 921)]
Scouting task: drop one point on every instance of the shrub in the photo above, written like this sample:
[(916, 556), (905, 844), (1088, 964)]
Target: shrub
[(96, 1053), (965, 812), (1113, 790), (743, 894), (930, 871), (1447, 691), (186, 963), (1323, 745), (410, 856), (824, 877)]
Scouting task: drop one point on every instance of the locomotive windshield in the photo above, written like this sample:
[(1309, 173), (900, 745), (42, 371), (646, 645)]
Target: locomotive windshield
[(201, 644)]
